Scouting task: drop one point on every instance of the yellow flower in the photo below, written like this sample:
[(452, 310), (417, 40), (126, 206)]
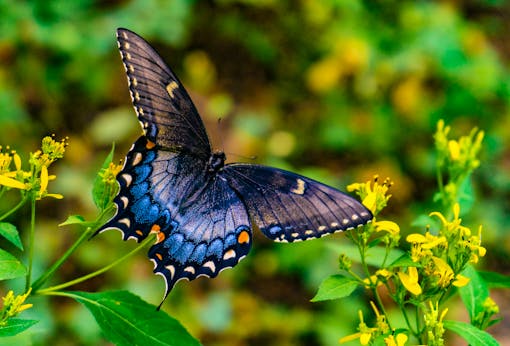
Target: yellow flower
[(443, 271), (410, 280), (6, 175), (364, 335), (373, 197), (13, 305), (44, 185), (388, 226), (399, 340), (110, 173), (434, 324), (454, 150)]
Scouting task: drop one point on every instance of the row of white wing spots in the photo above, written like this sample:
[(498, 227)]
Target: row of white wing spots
[(190, 269), (132, 81), (322, 228)]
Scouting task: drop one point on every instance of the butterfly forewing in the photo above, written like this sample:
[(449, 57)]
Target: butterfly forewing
[(164, 108)]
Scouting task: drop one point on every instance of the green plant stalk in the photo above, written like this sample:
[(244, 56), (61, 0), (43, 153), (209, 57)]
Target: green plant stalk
[(46, 275), (16, 207), (31, 243), (85, 235), (51, 289), (404, 313)]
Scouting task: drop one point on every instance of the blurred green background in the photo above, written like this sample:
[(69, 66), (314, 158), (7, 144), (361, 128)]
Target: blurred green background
[(336, 90)]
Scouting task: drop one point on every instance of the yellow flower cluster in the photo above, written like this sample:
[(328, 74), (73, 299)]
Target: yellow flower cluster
[(375, 197), (434, 324), (109, 174), (456, 160), (13, 305), (442, 256), (36, 179), (366, 333)]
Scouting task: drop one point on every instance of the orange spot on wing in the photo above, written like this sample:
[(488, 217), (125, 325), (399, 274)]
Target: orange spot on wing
[(159, 256), (243, 237), (140, 233), (150, 144)]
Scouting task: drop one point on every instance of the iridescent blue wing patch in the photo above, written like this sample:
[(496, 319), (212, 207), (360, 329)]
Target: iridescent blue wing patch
[(201, 224), (202, 210), (288, 207)]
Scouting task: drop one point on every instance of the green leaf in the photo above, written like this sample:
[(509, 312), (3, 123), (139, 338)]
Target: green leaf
[(474, 293), (125, 319), (77, 220), (374, 255), (404, 261), (10, 267), (9, 232), (334, 287), (473, 335), (15, 326), (495, 280), (101, 200)]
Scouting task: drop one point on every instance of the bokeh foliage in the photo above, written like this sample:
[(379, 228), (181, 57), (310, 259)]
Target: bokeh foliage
[(338, 90)]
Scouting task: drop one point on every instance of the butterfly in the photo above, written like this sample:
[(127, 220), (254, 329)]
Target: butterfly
[(203, 210)]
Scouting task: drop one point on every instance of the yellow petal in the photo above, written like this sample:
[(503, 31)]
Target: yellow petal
[(416, 238), (349, 338), (17, 161), (460, 281), (54, 195), (370, 202), (389, 226), (9, 182), (454, 149), (401, 339), (365, 338), (410, 281), (44, 179)]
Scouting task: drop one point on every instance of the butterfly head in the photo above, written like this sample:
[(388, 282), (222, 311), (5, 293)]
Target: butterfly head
[(216, 161)]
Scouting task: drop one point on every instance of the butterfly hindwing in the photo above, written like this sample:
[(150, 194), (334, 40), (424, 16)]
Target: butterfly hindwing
[(212, 232), (289, 207), (201, 224), (164, 108)]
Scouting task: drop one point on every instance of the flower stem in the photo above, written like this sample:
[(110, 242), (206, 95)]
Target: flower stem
[(97, 272), (31, 244), (16, 207), (85, 235), (43, 278)]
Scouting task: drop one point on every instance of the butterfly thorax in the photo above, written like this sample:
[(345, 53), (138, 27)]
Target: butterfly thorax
[(216, 161)]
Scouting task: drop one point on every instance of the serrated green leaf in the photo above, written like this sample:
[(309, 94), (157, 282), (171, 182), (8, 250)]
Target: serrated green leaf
[(334, 287), (495, 280), (125, 319), (10, 266), (474, 293), (15, 326), (10, 232), (374, 257), (98, 189), (473, 335)]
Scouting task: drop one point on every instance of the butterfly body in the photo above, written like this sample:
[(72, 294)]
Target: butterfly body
[(202, 209)]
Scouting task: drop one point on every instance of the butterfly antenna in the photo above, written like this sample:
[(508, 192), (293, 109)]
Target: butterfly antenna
[(220, 132)]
